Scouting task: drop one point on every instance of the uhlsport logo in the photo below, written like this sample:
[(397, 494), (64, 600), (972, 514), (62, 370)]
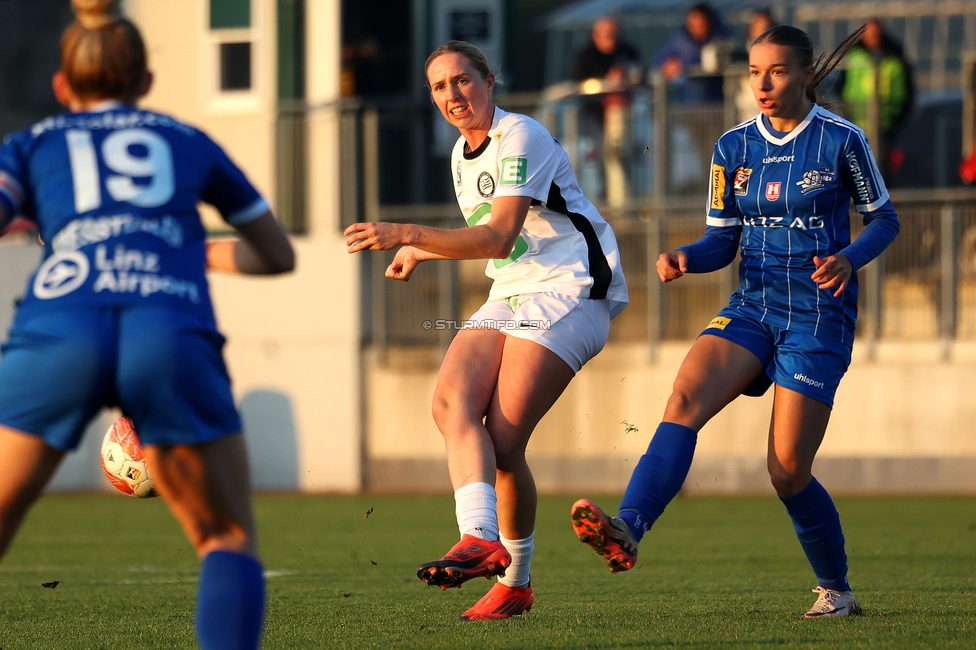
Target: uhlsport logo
[(61, 274), (809, 382), (486, 185)]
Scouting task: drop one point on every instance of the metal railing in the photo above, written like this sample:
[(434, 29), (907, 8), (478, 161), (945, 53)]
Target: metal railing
[(923, 287)]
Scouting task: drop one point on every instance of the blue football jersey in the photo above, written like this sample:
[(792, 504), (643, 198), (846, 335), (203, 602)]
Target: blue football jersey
[(791, 197), (114, 194)]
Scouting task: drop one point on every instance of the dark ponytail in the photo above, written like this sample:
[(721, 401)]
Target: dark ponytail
[(798, 41)]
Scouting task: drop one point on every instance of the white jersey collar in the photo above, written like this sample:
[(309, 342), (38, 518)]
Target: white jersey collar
[(792, 134), (495, 131)]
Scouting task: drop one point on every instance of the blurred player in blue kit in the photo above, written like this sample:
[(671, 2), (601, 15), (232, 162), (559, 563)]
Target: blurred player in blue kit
[(781, 184), (119, 313)]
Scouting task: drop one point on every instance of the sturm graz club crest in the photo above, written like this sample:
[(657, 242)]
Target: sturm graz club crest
[(486, 185)]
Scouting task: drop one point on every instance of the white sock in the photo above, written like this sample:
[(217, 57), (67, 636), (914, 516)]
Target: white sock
[(476, 509), (521, 550)]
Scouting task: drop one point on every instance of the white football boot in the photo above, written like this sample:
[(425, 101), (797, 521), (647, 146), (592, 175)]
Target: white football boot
[(833, 603)]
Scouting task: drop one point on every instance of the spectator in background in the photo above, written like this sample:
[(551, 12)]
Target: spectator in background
[(605, 115), (895, 91), (697, 43), (745, 102), (605, 56)]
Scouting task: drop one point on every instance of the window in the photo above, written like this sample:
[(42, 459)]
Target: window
[(235, 66), (234, 81), (230, 14)]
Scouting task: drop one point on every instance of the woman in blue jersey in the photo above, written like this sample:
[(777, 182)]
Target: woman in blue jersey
[(118, 313), (781, 184), (556, 285)]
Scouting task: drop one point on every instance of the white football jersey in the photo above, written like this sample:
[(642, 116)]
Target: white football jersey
[(565, 245)]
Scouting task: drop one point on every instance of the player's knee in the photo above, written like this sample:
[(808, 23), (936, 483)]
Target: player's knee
[(209, 532), (440, 409), (787, 482), (680, 406), (509, 453), (447, 410)]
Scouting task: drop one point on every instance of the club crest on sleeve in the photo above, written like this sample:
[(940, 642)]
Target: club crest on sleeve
[(486, 185), (773, 190), (740, 182)]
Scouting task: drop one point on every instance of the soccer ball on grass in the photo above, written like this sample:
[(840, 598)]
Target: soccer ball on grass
[(124, 462)]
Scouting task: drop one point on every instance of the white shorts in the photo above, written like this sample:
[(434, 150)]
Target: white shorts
[(575, 329)]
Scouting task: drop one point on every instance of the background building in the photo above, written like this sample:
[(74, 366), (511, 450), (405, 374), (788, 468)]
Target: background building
[(322, 102)]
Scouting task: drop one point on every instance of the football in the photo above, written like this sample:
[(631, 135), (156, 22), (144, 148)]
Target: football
[(124, 462)]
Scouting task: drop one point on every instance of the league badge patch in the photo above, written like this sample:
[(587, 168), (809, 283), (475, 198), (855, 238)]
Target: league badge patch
[(773, 190), (740, 184)]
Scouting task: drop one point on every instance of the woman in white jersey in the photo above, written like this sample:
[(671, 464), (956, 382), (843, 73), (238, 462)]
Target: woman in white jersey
[(557, 284), (782, 183)]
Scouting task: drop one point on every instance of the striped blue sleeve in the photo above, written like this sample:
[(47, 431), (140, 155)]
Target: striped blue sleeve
[(880, 229), (714, 251)]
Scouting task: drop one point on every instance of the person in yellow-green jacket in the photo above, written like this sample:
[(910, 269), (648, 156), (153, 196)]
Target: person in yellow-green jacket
[(894, 86)]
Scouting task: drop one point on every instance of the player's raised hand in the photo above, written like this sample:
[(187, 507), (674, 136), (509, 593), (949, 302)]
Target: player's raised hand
[(833, 271), (404, 262), (378, 236), (672, 265)]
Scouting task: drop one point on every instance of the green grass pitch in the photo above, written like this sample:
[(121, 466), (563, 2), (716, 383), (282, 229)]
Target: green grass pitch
[(715, 572)]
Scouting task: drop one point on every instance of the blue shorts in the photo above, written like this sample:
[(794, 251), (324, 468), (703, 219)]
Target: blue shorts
[(801, 362), (162, 367)]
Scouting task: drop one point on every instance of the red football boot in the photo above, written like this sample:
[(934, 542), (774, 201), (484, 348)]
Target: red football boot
[(501, 601), (472, 557)]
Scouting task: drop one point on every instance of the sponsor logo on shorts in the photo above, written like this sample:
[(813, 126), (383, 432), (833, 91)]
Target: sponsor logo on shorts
[(486, 185), (61, 274), (719, 323), (514, 171), (740, 184), (773, 190), (809, 382), (718, 187)]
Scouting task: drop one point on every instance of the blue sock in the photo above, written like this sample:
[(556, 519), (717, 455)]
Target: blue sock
[(817, 527), (658, 476), (230, 602)]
